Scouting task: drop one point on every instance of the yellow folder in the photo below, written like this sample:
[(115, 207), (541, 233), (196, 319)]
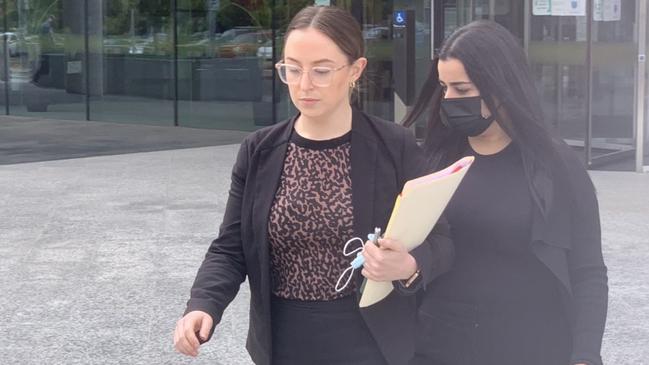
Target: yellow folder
[(414, 215)]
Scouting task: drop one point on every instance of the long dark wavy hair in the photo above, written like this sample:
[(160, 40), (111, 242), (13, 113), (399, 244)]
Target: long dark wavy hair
[(496, 64)]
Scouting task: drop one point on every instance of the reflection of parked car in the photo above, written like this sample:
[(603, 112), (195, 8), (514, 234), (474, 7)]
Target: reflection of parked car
[(19, 44), (265, 55), (12, 43), (230, 34), (243, 45), (377, 33), (130, 45), (115, 46), (265, 51), (15, 46)]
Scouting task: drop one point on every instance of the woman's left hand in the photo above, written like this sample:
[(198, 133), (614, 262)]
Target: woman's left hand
[(388, 262)]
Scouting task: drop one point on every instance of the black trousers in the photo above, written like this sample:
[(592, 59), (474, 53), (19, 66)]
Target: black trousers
[(321, 333), (452, 333)]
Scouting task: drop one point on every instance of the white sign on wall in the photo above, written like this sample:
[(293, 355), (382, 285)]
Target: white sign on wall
[(541, 7), (559, 7), (74, 67), (606, 10)]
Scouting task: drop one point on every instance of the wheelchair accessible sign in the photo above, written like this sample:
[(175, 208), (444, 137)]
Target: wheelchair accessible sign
[(399, 19)]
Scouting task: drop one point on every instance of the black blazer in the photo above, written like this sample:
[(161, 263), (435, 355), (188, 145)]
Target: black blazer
[(383, 157)]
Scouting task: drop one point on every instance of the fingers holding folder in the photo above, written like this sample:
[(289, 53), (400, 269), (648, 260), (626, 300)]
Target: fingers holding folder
[(388, 261), (414, 215)]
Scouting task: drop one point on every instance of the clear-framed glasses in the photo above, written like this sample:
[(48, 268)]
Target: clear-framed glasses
[(320, 76)]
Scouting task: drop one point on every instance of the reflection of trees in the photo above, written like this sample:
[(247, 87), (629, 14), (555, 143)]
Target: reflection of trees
[(154, 15), (157, 13), (237, 13), (258, 13), (232, 14), (117, 17), (286, 10), (30, 15), (149, 15)]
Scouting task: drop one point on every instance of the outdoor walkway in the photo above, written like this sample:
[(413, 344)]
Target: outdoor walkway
[(97, 255)]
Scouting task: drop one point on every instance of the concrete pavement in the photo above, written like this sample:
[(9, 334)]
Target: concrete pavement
[(97, 255)]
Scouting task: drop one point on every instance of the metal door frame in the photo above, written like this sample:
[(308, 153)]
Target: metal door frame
[(640, 91)]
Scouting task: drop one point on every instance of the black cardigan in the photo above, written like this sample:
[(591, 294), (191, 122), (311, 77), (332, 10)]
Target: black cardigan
[(383, 157), (568, 241)]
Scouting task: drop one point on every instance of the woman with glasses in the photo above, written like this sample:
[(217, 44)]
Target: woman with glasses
[(300, 191), (528, 284)]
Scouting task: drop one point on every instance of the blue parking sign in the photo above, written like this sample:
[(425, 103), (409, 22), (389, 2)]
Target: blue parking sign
[(399, 19)]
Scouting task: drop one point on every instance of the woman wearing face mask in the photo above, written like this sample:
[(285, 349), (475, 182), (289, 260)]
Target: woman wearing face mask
[(528, 284), (300, 190)]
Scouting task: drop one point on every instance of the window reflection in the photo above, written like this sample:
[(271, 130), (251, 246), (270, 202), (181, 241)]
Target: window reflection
[(43, 63), (225, 52)]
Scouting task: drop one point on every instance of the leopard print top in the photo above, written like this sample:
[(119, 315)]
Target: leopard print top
[(311, 219)]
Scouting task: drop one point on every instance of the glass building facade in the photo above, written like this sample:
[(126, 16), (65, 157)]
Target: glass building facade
[(209, 63)]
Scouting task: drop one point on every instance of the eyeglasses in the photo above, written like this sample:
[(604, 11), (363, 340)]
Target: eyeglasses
[(320, 76)]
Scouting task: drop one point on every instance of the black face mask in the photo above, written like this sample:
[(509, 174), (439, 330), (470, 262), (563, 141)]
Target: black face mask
[(464, 115)]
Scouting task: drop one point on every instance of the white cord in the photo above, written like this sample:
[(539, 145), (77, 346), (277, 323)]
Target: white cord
[(356, 251)]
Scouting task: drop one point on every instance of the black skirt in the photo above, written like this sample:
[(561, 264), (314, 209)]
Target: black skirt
[(321, 332)]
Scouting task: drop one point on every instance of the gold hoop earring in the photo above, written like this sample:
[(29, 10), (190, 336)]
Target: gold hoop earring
[(352, 84)]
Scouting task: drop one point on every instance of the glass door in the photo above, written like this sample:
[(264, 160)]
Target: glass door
[(613, 80), (452, 14), (225, 64), (44, 64), (558, 56), (377, 88), (642, 99), (131, 51)]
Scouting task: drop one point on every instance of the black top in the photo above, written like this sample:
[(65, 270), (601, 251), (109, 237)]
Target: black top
[(320, 145), (517, 310), (311, 219), (490, 217), (564, 235)]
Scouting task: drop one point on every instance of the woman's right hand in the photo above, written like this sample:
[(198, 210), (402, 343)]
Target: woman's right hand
[(193, 325)]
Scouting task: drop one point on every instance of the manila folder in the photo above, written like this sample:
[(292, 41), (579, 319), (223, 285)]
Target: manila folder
[(414, 215)]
